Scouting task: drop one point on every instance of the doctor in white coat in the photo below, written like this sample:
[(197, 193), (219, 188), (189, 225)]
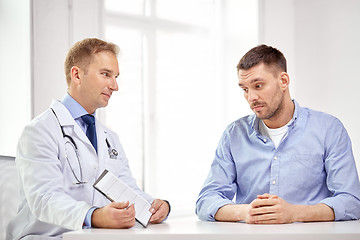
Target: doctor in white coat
[(58, 164)]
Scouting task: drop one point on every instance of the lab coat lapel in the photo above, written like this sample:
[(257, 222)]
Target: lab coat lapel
[(67, 121), (101, 140), (62, 114)]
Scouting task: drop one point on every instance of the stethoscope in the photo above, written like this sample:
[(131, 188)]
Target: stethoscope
[(113, 153)]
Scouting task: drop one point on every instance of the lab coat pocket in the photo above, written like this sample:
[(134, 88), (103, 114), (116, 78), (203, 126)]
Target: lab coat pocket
[(112, 164)]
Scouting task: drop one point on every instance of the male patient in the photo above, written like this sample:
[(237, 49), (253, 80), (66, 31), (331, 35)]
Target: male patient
[(283, 164)]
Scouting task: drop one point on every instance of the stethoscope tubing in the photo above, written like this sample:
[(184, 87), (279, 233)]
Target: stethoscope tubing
[(112, 151)]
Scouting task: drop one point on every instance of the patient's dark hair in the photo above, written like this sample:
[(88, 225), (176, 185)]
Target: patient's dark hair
[(262, 54)]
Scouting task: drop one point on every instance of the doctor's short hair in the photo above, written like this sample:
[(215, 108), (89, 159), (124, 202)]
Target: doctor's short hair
[(82, 52), (262, 54)]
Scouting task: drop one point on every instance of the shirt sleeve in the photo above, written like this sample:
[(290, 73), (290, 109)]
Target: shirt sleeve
[(168, 203), (220, 186), (342, 178), (87, 221)]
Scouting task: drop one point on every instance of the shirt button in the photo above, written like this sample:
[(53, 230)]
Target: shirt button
[(273, 182), (95, 166), (265, 140), (275, 158)]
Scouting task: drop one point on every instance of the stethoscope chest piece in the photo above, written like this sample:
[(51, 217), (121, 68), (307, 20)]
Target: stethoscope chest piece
[(113, 153)]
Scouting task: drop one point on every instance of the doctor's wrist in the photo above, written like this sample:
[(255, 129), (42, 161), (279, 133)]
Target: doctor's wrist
[(87, 220)]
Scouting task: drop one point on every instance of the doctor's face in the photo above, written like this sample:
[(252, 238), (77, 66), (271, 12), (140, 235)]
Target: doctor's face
[(97, 82)]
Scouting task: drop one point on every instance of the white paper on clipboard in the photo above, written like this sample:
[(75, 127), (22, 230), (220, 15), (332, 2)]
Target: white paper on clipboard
[(118, 191)]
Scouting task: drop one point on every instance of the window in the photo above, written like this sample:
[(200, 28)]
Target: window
[(171, 106)]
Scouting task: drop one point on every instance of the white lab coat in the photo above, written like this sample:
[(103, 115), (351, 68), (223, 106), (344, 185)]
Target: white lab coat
[(51, 203)]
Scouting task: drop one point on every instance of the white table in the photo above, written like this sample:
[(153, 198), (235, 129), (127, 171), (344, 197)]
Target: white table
[(192, 228)]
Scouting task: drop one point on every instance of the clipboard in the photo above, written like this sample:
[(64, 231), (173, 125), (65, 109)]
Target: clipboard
[(114, 189)]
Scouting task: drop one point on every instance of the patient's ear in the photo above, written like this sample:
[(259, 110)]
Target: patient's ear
[(285, 80)]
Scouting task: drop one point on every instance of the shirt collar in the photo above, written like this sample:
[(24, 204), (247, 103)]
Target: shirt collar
[(75, 109), (296, 113), (254, 121)]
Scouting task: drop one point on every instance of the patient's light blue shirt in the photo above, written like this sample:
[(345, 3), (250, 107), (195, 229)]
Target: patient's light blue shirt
[(313, 164)]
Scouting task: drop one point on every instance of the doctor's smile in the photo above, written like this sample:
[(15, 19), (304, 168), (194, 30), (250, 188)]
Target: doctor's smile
[(107, 95)]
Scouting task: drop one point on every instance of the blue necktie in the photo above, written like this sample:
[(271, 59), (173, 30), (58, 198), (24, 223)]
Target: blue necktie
[(90, 131)]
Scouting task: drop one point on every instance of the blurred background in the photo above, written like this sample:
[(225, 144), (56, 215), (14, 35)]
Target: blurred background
[(178, 84)]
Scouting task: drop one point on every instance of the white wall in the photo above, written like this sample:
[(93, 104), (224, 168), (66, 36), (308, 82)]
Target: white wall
[(240, 34), (57, 25), (35, 36), (320, 39), (50, 42), (15, 73)]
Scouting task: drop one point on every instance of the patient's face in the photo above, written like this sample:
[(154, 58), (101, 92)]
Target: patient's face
[(262, 90)]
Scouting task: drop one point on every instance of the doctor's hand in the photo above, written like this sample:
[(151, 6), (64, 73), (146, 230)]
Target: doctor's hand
[(160, 210), (114, 215)]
